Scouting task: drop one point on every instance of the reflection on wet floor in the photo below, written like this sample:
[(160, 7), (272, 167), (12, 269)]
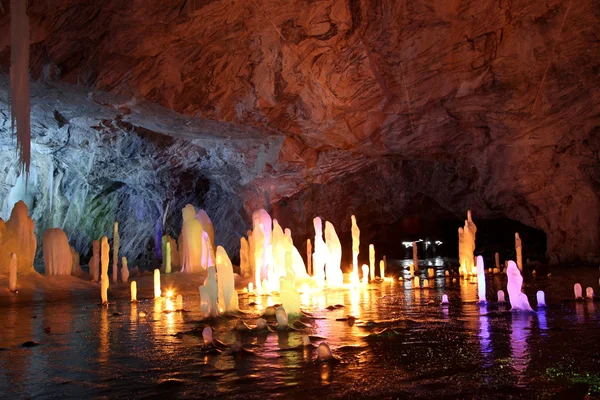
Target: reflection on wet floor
[(402, 343)]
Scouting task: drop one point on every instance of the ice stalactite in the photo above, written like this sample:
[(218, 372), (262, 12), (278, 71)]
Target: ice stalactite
[(19, 79)]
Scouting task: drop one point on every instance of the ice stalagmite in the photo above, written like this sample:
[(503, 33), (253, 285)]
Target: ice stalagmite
[(207, 226), (481, 280), (191, 236), (124, 270), (518, 299), (95, 261), (228, 297), (167, 258), (261, 230), (321, 253), (17, 236), (76, 267), (519, 251), (355, 250), (415, 256), (372, 262), (309, 257), (281, 317), (382, 269), (209, 295), (19, 79), (157, 291), (104, 260), (133, 291), (116, 245), (57, 252), (244, 258), (333, 271), (12, 273)]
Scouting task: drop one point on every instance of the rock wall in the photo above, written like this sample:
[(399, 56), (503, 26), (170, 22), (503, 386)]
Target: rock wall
[(500, 96)]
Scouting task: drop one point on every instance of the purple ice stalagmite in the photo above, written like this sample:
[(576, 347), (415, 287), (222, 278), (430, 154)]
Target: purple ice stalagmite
[(481, 279), (518, 300)]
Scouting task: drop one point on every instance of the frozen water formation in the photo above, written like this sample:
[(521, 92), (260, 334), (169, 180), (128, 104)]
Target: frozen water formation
[(355, 250), (501, 298), (116, 245), (57, 252), (578, 291), (518, 299), (333, 272), (133, 289), (589, 293), (227, 297), (104, 283), (541, 298), (445, 299), (157, 291), (12, 273), (519, 251), (191, 238), (95, 261), (124, 270), (481, 280), (209, 295), (17, 236), (281, 317), (324, 353)]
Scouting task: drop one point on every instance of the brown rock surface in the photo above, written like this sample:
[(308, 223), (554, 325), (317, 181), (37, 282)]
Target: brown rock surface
[(489, 105)]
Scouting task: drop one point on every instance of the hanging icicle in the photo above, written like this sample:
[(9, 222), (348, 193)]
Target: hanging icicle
[(19, 79)]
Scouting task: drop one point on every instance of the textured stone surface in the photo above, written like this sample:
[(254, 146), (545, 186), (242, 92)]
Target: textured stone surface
[(488, 105)]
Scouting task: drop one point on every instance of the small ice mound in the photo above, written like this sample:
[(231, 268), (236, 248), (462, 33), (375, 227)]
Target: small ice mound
[(324, 353), (306, 341), (589, 293), (269, 312), (261, 325), (142, 314), (577, 290), (518, 299), (241, 326), (445, 301), (237, 347), (501, 298), (541, 298), (207, 336), (282, 318)]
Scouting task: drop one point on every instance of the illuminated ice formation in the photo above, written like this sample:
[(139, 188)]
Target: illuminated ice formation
[(519, 250), (425, 283), (333, 272), (207, 226), (481, 279), (17, 236), (382, 269), (518, 299), (578, 291), (209, 293), (589, 293), (372, 262), (227, 295), (244, 258), (365, 274), (104, 260), (306, 341), (116, 245), (430, 272), (262, 228), (417, 282), (261, 325), (12, 273), (324, 353), (167, 258), (124, 270), (278, 250), (309, 257), (191, 236), (133, 289), (57, 252), (445, 299), (415, 256), (501, 298), (157, 291), (95, 261), (179, 303), (466, 247), (355, 250), (290, 299), (541, 298), (497, 260), (207, 336), (281, 317), (321, 254)]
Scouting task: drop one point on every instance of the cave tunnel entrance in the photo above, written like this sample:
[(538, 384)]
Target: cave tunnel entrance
[(493, 236)]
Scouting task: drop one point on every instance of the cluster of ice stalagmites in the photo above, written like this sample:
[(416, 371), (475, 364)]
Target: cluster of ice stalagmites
[(17, 236), (57, 252)]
